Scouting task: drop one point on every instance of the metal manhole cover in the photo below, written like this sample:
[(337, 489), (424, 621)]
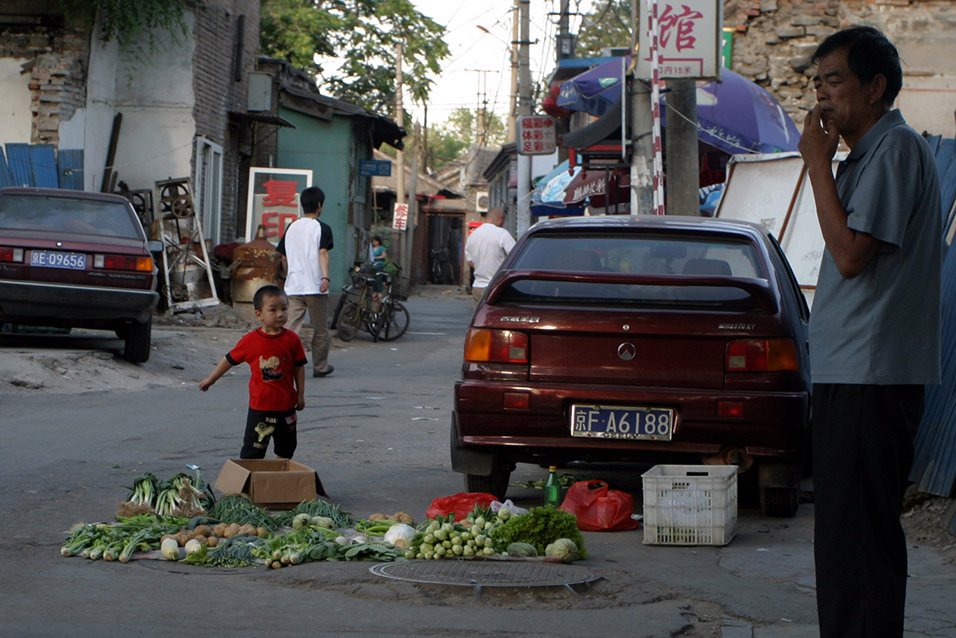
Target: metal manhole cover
[(486, 573)]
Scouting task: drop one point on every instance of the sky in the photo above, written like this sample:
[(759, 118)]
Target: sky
[(479, 65)]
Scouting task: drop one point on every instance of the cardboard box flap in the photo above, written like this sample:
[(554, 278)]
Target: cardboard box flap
[(270, 482)]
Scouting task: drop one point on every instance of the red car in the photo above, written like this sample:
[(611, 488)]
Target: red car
[(645, 339), (76, 259)]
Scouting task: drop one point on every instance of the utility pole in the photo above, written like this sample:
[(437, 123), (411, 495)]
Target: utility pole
[(400, 120), (481, 124), (683, 165), (642, 148), (412, 209), (523, 219), (513, 97), (402, 236), (563, 43)]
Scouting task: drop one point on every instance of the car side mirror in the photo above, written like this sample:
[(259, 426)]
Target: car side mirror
[(154, 246)]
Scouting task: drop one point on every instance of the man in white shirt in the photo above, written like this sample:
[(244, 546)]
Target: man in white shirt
[(486, 248), (305, 250)]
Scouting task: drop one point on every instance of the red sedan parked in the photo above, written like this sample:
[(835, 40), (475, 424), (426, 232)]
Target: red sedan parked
[(76, 259), (643, 339)]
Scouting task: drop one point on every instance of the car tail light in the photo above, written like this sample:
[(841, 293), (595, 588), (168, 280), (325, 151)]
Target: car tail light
[(11, 254), (761, 355), (496, 346), (123, 262)]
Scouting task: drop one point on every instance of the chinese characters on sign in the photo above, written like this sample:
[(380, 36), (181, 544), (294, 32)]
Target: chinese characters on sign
[(273, 201), (689, 39), (537, 135), (400, 216)]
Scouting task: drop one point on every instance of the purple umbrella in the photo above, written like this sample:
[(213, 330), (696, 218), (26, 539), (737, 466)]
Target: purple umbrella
[(735, 114)]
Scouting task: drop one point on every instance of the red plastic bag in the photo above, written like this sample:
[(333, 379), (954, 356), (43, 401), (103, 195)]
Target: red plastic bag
[(598, 508), (461, 504)]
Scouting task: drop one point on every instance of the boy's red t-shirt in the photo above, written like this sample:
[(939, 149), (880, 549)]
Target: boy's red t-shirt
[(272, 359)]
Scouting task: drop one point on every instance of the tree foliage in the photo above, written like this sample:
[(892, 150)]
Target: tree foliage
[(608, 24), (459, 131), (359, 38), (131, 22)]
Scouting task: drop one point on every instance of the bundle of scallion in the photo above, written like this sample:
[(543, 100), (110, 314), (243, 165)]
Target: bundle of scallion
[(144, 490), (121, 539)]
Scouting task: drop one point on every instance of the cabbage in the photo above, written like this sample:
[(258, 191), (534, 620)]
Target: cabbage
[(400, 535), (526, 550), (563, 548)]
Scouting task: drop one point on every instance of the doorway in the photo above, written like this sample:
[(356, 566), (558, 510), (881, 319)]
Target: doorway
[(445, 248)]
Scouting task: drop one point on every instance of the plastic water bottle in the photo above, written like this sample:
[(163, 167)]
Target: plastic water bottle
[(552, 489)]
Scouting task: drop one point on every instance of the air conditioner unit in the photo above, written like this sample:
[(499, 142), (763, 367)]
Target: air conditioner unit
[(481, 202)]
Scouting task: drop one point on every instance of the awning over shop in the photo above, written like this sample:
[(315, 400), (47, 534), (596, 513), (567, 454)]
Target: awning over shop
[(569, 190)]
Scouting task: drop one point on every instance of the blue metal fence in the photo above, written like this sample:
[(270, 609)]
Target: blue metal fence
[(41, 165), (934, 466)]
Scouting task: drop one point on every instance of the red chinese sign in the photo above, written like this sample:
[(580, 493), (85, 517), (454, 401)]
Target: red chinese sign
[(689, 38), (400, 216), (273, 201), (537, 135)]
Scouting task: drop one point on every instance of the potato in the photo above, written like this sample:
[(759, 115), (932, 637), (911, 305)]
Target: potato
[(261, 531), (181, 538), (219, 529), (247, 529), (212, 541), (203, 530), (201, 538)]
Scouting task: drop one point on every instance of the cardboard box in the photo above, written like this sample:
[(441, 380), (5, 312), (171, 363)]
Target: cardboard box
[(277, 484)]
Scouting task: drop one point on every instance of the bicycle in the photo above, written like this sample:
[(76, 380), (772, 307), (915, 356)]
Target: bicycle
[(384, 318), (440, 265), (358, 308), (393, 320)]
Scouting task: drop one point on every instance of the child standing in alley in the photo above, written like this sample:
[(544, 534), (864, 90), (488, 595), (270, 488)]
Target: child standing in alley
[(276, 388)]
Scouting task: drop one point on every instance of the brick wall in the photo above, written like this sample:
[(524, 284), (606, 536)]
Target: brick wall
[(56, 59), (217, 91), (774, 40)]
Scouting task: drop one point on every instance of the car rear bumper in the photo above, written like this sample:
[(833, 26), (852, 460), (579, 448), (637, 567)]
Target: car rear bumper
[(774, 423), (84, 306)]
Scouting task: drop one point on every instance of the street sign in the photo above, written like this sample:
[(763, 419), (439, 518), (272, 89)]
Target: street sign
[(537, 135), (689, 39), (400, 216), (375, 168)]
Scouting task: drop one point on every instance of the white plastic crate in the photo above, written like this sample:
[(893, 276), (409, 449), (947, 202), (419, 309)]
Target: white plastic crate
[(690, 504)]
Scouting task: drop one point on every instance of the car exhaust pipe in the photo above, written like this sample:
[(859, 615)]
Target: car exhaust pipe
[(730, 456)]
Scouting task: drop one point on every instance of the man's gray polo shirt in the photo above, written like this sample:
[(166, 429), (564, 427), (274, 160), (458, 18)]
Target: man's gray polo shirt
[(882, 327)]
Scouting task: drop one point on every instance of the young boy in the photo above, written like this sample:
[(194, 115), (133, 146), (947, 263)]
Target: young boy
[(277, 359)]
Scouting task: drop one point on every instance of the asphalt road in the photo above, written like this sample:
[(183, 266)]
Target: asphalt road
[(377, 432)]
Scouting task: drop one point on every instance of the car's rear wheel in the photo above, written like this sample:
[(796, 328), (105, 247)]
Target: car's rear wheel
[(780, 501), (137, 345), (496, 483)]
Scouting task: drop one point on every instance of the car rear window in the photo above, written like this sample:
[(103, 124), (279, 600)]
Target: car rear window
[(638, 254), (67, 214)]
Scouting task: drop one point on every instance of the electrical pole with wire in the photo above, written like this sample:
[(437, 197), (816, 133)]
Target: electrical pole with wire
[(523, 218)]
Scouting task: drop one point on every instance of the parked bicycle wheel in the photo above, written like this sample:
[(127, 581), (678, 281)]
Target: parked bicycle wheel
[(338, 311), (394, 321), (350, 319)]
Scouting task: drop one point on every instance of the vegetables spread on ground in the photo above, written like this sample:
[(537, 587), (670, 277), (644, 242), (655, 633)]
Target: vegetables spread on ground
[(236, 532)]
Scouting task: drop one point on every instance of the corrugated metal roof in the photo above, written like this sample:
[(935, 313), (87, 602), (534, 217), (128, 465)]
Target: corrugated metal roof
[(934, 465)]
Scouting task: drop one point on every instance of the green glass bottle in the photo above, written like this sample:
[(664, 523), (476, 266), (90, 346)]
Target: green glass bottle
[(552, 489)]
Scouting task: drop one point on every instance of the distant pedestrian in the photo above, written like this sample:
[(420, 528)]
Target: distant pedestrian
[(874, 329), (305, 247), (276, 386), (485, 249)]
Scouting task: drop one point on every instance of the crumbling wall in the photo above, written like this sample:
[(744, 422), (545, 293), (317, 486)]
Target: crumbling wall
[(56, 60), (774, 41)]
